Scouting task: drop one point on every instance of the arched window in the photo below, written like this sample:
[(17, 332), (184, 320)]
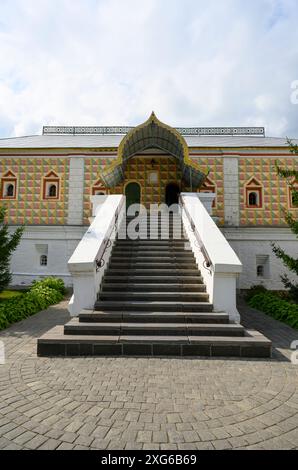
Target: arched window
[(52, 190), (43, 260), (98, 189), (253, 199), (209, 187), (51, 186), (293, 191), (254, 194), (10, 190), (8, 186)]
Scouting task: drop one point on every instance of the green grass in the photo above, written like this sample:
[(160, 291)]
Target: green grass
[(9, 294)]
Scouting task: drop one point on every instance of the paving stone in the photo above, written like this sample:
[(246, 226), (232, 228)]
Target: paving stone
[(191, 436), (159, 437), (133, 446), (25, 437), (36, 442), (65, 446), (84, 441), (151, 446), (100, 444), (150, 403), (144, 436), (222, 444)]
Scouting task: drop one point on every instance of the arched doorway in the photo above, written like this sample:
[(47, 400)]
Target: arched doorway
[(133, 194), (172, 194)]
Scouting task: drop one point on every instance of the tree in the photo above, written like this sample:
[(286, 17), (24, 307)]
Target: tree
[(8, 243), (291, 176)]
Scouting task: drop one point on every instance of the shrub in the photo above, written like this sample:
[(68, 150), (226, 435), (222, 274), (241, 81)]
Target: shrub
[(276, 307), (39, 297), (52, 283), (257, 289)]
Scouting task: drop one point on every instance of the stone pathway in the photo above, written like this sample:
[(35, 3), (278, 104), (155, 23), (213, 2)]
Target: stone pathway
[(140, 403)]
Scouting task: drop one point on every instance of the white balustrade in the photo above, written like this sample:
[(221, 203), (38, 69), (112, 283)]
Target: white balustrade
[(95, 247), (217, 261)]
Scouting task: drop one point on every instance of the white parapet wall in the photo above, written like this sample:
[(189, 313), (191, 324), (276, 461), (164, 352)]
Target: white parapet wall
[(95, 246), (217, 261)]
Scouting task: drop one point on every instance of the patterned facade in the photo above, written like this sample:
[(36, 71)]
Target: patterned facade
[(30, 206), (275, 191)]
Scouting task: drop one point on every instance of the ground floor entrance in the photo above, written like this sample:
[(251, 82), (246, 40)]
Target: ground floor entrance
[(133, 194), (172, 194)]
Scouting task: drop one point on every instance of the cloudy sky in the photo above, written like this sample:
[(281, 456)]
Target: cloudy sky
[(111, 62)]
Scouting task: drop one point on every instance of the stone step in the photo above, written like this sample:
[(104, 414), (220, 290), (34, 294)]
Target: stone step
[(173, 271), (152, 317), (146, 237), (153, 306), (56, 343), (144, 264), (136, 279), (113, 287), (154, 255), (154, 296), (151, 244), (74, 327)]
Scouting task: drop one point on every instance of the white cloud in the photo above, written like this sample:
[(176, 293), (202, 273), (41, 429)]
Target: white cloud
[(222, 62)]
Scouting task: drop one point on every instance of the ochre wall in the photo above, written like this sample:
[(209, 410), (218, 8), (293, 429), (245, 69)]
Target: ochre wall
[(29, 208), (215, 167), (275, 191)]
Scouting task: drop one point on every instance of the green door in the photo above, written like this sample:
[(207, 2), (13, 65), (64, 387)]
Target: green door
[(133, 194)]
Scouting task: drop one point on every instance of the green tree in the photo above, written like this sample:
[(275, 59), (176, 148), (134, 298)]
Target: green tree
[(291, 176), (8, 243)]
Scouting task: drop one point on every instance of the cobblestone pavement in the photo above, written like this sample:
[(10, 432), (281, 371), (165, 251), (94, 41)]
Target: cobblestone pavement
[(146, 403)]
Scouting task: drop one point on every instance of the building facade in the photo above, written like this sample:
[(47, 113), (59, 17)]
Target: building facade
[(46, 183)]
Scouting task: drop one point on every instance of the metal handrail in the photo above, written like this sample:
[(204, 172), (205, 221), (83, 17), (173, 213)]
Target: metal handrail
[(207, 264), (107, 241)]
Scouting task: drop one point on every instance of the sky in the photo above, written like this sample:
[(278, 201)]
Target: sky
[(111, 62)]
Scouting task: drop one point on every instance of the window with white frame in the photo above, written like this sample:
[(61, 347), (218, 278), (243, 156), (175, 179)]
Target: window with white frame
[(262, 266), (43, 260), (42, 254)]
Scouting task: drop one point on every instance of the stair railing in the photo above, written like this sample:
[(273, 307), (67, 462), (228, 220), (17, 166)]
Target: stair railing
[(217, 261), (89, 260)]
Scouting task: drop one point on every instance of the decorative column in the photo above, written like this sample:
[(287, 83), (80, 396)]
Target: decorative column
[(75, 191), (231, 190)]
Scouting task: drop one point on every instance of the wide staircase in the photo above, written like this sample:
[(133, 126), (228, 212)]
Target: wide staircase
[(153, 302)]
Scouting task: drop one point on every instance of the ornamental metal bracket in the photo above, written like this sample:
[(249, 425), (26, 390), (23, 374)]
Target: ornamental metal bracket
[(101, 262)]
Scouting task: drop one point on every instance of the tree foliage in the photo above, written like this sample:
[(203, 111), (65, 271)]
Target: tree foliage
[(291, 176), (8, 244)]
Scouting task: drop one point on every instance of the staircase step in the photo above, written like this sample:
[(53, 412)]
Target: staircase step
[(153, 272), (136, 279), (166, 287), (55, 343), (157, 244), (74, 327), (161, 306), (153, 302), (152, 264), (154, 296), (118, 255), (152, 317)]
